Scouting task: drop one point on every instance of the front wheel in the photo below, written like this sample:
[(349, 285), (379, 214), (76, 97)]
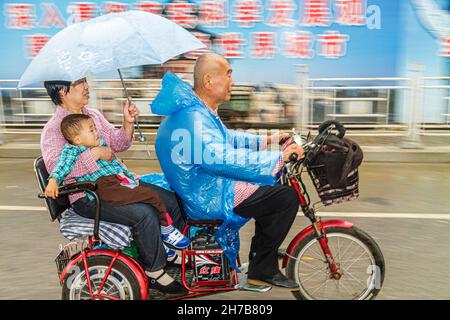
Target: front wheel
[(358, 256)]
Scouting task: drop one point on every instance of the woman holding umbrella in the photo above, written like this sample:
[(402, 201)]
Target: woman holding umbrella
[(102, 44), (143, 219)]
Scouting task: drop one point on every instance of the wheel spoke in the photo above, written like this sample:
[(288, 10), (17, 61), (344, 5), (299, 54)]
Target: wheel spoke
[(345, 288), (348, 267), (319, 254), (350, 244), (310, 265), (352, 260), (319, 287), (107, 296), (339, 250), (312, 275), (354, 279)]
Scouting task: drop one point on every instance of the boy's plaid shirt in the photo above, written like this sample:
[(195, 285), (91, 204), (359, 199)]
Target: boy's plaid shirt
[(69, 157)]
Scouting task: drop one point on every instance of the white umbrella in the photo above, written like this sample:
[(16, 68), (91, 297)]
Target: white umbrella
[(109, 42)]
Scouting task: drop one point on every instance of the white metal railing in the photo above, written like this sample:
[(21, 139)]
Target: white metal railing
[(396, 103), (368, 103)]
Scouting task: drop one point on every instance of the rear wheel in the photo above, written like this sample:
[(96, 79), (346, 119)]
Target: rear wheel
[(121, 283), (358, 256)]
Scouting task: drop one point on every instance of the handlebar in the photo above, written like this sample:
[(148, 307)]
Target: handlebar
[(293, 157), (326, 125), (311, 148), (283, 140)]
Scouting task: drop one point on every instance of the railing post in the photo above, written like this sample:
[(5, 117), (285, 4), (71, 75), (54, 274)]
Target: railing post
[(303, 111), (2, 119), (414, 107)]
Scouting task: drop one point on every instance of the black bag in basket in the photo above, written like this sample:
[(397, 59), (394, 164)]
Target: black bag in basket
[(333, 166)]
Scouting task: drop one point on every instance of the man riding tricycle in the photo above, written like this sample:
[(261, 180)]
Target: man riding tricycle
[(234, 179)]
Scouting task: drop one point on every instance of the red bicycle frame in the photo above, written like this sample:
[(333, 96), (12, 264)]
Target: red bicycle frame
[(318, 227)]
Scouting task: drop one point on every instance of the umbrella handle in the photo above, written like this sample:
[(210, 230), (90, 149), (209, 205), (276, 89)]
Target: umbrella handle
[(141, 136)]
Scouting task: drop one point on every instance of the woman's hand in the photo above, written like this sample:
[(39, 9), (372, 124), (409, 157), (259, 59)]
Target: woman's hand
[(293, 148), (130, 112), (102, 153), (51, 191)]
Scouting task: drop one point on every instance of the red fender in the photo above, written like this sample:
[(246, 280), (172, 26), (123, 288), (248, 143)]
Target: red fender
[(305, 232), (130, 262)]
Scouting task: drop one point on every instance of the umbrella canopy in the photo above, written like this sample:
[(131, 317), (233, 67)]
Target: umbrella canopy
[(106, 43)]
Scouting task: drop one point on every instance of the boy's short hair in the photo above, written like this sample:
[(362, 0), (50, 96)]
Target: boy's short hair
[(71, 125)]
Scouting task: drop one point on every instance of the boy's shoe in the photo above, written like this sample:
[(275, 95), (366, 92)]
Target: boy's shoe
[(169, 252), (173, 237), (173, 259)]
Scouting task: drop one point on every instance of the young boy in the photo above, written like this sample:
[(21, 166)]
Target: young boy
[(115, 184)]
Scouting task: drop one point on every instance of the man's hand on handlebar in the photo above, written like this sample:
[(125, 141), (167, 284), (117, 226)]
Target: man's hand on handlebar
[(290, 150), (277, 137)]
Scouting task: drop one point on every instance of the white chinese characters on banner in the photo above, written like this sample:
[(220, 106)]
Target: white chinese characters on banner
[(316, 13), (233, 14), (332, 44), (230, 45), (247, 13), (263, 45), (206, 40), (213, 14), (114, 7), (182, 13), (52, 17), (82, 11), (298, 44), (351, 12), (149, 6), (34, 43), (281, 13), (445, 46), (20, 16)]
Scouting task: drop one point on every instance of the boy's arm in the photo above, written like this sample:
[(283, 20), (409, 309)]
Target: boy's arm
[(52, 143), (52, 189), (65, 163)]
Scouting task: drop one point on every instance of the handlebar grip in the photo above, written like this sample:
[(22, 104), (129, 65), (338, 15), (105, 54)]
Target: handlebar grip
[(339, 127), (293, 157), (283, 141)]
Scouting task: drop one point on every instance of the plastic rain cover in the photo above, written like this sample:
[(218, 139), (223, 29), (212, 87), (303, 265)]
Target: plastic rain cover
[(202, 159)]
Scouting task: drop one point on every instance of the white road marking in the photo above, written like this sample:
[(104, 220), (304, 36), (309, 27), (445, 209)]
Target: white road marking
[(22, 208), (389, 215)]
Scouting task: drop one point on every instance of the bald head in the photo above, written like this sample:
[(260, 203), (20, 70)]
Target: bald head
[(208, 65), (212, 79)]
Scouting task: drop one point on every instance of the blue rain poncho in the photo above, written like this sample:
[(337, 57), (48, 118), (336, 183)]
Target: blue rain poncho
[(202, 159)]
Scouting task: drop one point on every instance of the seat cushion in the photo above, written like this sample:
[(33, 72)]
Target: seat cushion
[(74, 226)]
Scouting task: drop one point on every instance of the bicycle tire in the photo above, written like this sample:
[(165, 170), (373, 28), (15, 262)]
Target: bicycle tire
[(354, 232)]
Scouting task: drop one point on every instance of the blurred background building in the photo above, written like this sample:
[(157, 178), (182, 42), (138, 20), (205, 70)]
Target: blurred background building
[(376, 65)]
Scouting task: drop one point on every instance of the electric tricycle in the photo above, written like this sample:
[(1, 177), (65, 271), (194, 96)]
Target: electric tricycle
[(329, 259)]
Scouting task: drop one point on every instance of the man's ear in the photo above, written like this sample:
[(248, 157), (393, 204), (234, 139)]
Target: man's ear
[(207, 83)]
